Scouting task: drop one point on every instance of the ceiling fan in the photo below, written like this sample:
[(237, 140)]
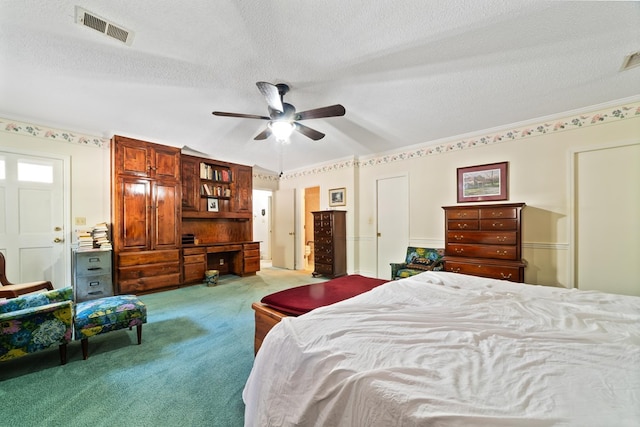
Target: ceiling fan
[(283, 118)]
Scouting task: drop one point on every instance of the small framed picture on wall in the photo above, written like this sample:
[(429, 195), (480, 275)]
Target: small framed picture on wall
[(338, 197)]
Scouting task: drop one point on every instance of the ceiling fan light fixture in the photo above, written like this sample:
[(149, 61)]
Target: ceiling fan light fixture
[(281, 129)]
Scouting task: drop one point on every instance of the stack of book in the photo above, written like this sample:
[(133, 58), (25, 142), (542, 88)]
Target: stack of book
[(85, 240), (100, 235)]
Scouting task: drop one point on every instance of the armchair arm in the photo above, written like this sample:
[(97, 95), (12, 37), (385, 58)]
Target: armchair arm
[(395, 267)]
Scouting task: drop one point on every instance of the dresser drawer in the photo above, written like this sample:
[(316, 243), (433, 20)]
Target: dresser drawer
[(498, 224), (482, 251), (251, 265), (489, 238), (492, 271), (496, 213), (462, 214), (323, 258), (463, 224), (321, 268)]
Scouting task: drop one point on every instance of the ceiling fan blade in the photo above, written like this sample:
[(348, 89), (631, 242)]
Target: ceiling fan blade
[(242, 116), (318, 113), (263, 135), (308, 132), (272, 95)]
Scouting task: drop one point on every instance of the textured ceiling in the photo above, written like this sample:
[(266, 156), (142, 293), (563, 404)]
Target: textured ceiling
[(407, 72)]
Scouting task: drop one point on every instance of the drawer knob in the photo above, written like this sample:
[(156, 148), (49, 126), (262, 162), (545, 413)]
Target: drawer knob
[(496, 213), (501, 238), (459, 250), (501, 252), (462, 225), (455, 270), (505, 276), (460, 237), (497, 224)]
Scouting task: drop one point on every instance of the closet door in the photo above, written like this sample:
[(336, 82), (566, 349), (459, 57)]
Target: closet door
[(607, 230)]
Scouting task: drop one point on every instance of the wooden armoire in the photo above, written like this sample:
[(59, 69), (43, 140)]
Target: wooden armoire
[(146, 211)]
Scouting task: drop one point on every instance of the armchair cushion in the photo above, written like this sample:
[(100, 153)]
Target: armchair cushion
[(34, 322), (416, 261)]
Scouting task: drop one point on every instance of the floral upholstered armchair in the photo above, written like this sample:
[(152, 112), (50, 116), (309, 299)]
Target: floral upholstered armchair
[(33, 322), (417, 261)]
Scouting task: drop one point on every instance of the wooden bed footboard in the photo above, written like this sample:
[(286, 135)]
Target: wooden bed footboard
[(266, 318)]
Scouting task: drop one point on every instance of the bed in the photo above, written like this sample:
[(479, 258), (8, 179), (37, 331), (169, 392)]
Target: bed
[(445, 349)]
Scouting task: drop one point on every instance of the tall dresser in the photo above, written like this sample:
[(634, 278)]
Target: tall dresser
[(330, 243), (485, 240)]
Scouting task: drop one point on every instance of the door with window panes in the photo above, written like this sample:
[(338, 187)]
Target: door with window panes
[(32, 200)]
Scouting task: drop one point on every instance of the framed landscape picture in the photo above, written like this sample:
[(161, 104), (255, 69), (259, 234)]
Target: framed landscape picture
[(338, 197), (483, 183)]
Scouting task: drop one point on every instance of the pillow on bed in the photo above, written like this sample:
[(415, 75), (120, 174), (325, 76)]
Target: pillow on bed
[(421, 264), (302, 299)]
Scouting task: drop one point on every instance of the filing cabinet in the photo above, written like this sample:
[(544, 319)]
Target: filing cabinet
[(92, 274)]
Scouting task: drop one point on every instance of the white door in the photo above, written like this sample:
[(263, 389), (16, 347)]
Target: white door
[(32, 217), (607, 200), (392, 195), (283, 249)]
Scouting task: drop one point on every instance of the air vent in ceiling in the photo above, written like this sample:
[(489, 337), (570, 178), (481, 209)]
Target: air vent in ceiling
[(630, 61), (108, 28)]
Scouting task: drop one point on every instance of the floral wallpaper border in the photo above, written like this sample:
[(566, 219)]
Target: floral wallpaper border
[(22, 128), (622, 112)]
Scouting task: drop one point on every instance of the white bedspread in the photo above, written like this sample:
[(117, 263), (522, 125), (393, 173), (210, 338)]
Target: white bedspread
[(444, 349)]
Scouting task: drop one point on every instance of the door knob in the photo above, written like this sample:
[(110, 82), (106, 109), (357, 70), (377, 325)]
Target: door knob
[(57, 240)]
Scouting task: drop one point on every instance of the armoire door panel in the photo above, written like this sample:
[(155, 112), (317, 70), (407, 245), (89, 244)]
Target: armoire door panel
[(133, 224)]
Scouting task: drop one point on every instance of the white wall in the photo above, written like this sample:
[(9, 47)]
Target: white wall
[(539, 175)]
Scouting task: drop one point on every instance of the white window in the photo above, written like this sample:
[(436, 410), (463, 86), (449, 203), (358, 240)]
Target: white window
[(34, 172)]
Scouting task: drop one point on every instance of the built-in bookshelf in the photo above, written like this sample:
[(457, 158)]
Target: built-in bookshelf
[(215, 181)]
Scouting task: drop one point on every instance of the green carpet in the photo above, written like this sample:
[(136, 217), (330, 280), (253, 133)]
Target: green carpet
[(196, 354)]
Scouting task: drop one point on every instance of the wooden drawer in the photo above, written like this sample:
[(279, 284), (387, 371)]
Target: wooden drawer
[(140, 272), (252, 246), (323, 258), (147, 284), (194, 259), (493, 271), (252, 253), (193, 272), (462, 214), (129, 259), (251, 265), (498, 224), (482, 251), (194, 251), (463, 224), (493, 213), (321, 268), (490, 238)]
